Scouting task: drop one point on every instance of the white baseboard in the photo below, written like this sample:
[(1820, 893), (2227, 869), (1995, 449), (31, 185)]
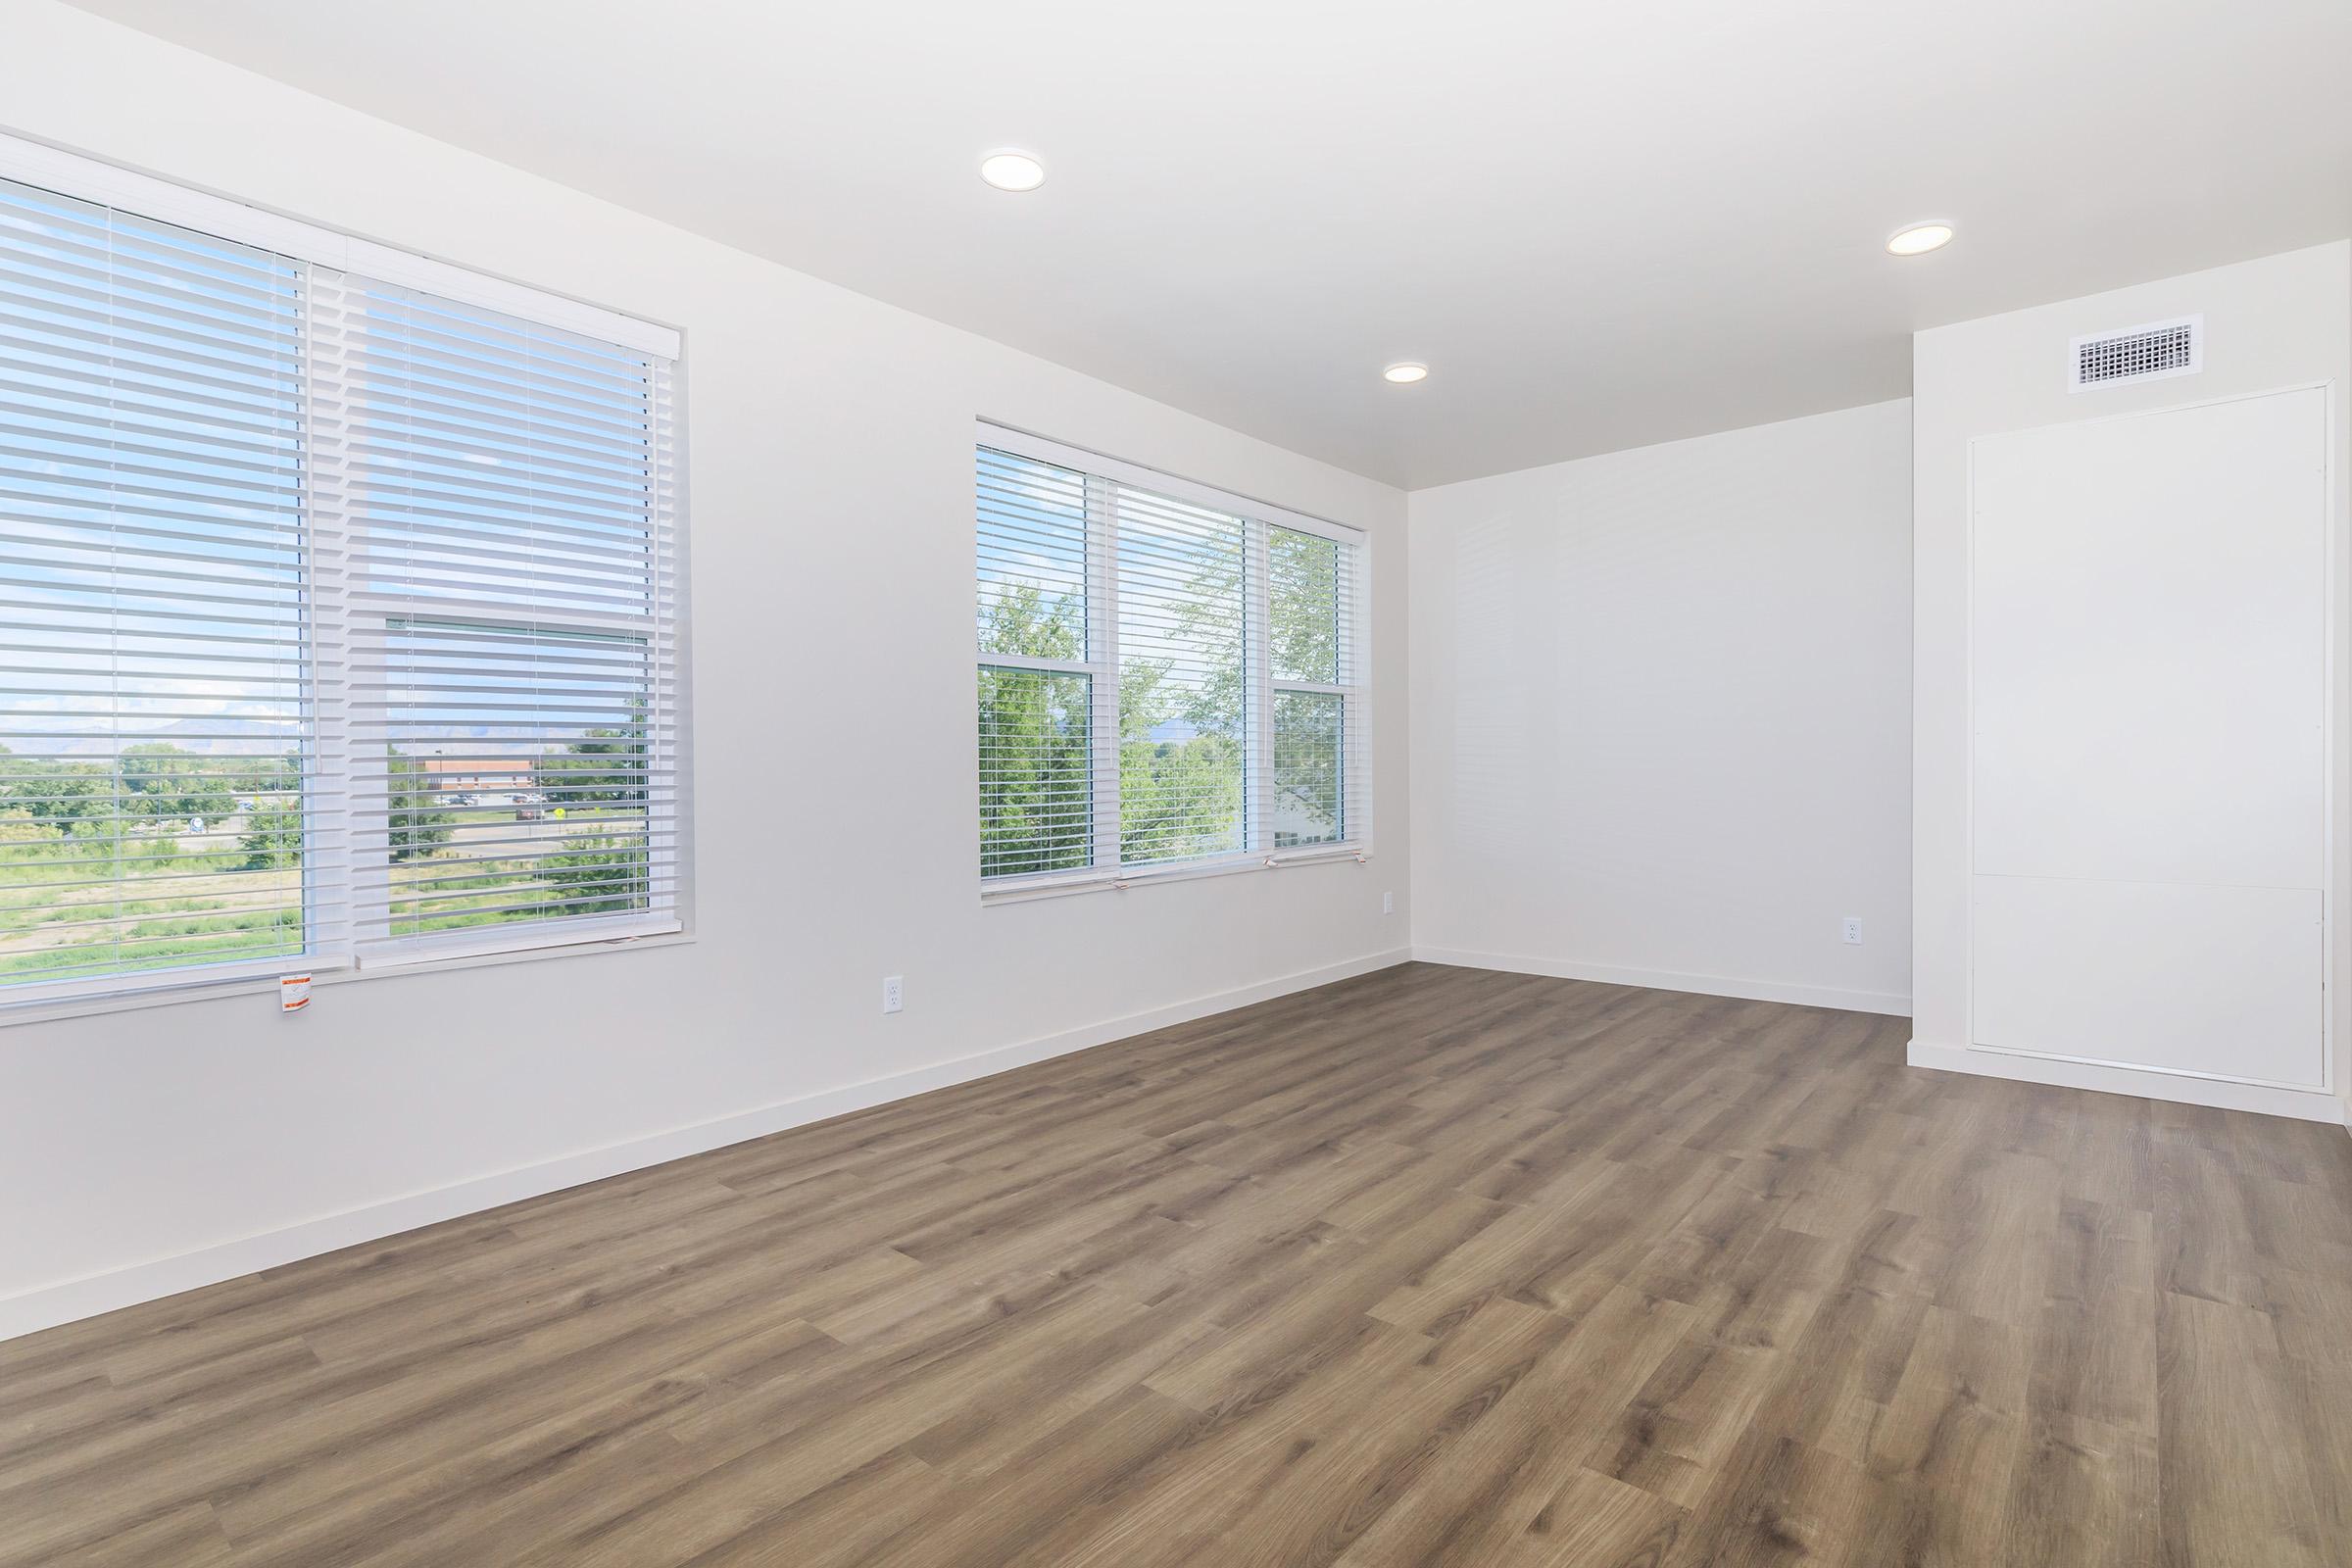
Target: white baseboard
[(2304, 1105), (47, 1305), (1705, 985)]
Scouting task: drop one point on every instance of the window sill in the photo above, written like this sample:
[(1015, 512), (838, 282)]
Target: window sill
[(325, 979), (1055, 885), (433, 951)]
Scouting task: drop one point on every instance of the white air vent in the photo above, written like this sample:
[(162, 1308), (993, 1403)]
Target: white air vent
[(2138, 354)]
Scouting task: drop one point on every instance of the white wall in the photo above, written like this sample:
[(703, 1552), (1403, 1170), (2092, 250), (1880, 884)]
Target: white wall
[(1661, 703), (2277, 323), (830, 444)]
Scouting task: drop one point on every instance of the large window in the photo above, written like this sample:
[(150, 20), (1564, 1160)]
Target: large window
[(1170, 679), (337, 601)]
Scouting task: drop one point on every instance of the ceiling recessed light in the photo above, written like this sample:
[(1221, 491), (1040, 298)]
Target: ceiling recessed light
[(1918, 239), (1011, 171), (1406, 372)]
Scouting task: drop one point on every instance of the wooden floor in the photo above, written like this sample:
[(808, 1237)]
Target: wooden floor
[(1434, 1266)]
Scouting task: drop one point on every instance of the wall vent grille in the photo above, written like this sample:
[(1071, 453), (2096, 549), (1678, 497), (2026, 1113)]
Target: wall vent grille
[(2147, 352)]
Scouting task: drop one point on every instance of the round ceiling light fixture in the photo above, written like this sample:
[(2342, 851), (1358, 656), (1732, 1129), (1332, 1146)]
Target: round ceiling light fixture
[(1013, 171), (1404, 372), (1917, 239)]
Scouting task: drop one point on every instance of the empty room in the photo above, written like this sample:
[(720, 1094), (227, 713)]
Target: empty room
[(1278, 785)]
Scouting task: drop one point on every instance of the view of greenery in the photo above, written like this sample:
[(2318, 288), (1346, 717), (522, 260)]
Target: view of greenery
[(1035, 814), (166, 856), (151, 846), (1181, 708), (488, 861), (1307, 597)]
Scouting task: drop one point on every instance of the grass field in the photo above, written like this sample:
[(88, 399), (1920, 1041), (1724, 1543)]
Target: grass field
[(132, 895)]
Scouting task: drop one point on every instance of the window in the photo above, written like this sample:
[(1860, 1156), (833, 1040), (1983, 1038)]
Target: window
[(338, 601), (512, 678), (1170, 679)]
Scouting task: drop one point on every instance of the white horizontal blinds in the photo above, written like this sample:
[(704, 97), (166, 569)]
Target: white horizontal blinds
[(1041, 792), (1315, 718), (155, 722), (507, 502), (1186, 748)]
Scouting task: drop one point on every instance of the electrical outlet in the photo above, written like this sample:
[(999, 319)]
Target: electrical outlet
[(894, 991), (1387, 903), (1853, 931)]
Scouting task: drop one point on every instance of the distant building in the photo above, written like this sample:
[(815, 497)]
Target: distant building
[(470, 776)]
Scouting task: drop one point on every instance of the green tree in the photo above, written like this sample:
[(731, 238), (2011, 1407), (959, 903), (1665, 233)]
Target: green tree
[(1177, 797), (1034, 811), (167, 784), (417, 823), (606, 766), (1305, 592), (1304, 599), (67, 797), (1181, 730), (273, 840), (596, 875)]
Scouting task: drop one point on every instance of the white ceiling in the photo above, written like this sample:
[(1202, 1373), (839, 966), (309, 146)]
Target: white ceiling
[(1602, 222)]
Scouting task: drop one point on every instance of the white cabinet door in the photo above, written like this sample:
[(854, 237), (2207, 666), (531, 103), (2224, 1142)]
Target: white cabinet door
[(2148, 645)]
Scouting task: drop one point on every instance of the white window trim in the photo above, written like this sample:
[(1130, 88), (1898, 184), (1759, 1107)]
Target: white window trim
[(261, 979), (1021, 444), (1107, 875), (92, 180), (586, 931), (1060, 884)]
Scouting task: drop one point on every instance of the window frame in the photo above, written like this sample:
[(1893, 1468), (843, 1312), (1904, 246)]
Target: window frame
[(334, 606), (1352, 654)]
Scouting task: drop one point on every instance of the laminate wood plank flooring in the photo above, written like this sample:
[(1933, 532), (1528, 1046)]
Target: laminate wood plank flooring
[(1429, 1267)]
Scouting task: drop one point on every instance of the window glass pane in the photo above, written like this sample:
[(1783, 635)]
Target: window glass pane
[(1182, 680), (516, 776), (1304, 594), (1032, 531), (1309, 745), (1036, 805), (154, 718)]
